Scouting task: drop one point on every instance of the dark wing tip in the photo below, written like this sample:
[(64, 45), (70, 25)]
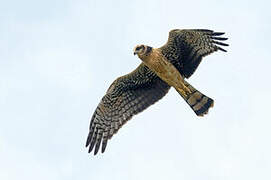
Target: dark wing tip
[(205, 30), (91, 147), (97, 146), (220, 43), (96, 150), (87, 143), (217, 33), (92, 143), (89, 138), (104, 145), (217, 40), (95, 138), (221, 49)]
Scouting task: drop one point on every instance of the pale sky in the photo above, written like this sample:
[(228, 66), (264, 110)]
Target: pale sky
[(57, 59)]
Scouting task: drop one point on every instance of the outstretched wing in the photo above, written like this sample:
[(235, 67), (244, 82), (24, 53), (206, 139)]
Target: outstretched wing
[(186, 48), (127, 96)]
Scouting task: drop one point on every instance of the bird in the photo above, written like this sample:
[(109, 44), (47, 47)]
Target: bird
[(160, 69)]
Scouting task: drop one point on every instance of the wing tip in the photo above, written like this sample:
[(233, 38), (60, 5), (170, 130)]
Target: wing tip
[(217, 33), (94, 142), (87, 143), (95, 152), (205, 30), (104, 145), (221, 49), (220, 43), (217, 40), (89, 138)]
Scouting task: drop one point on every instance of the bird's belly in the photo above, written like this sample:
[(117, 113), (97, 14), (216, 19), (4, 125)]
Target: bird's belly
[(170, 76), (166, 71)]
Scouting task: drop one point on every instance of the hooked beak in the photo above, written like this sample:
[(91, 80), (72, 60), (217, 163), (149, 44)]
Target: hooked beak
[(135, 53)]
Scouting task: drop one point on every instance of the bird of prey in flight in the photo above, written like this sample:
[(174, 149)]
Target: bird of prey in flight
[(161, 68)]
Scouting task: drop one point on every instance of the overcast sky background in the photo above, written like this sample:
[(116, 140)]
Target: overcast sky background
[(57, 58)]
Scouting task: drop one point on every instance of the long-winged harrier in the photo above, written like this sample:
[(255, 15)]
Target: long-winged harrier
[(160, 69)]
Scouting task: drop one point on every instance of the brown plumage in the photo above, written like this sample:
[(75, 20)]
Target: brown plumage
[(160, 69)]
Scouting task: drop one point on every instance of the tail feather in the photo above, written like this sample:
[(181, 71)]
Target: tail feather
[(199, 103)]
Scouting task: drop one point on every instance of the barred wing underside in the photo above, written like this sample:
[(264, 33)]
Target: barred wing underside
[(127, 96)]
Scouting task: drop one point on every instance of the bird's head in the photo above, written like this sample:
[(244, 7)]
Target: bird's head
[(142, 50)]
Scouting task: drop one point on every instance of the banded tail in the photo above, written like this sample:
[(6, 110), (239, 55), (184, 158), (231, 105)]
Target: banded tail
[(199, 103)]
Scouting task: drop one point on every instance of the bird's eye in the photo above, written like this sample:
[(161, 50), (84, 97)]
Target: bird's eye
[(138, 48)]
